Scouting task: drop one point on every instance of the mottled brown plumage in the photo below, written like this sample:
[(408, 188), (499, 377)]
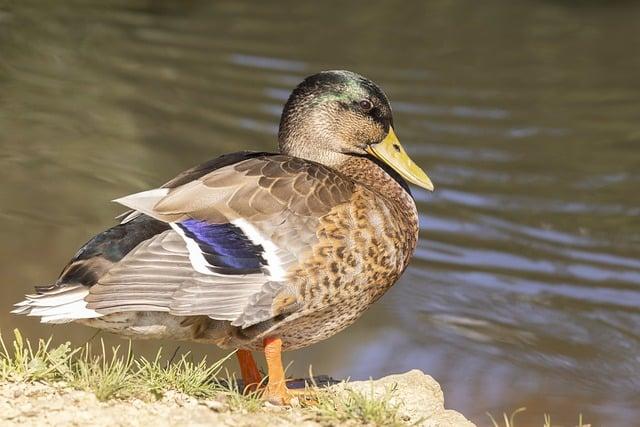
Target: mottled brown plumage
[(258, 250)]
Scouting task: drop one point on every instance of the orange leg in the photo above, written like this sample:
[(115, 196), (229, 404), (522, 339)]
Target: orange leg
[(276, 391), (250, 374)]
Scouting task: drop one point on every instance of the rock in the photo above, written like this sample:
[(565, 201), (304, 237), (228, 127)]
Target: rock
[(215, 405), (418, 397), (137, 403)]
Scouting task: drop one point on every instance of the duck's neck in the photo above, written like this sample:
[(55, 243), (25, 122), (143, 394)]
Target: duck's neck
[(318, 141), (381, 179)]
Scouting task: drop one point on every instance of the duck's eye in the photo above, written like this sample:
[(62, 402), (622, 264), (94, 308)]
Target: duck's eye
[(366, 105)]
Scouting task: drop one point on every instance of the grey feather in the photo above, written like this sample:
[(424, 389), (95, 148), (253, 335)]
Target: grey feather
[(158, 275), (278, 199)]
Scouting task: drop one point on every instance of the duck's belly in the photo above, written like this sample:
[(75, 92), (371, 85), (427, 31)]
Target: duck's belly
[(318, 325), (142, 325)]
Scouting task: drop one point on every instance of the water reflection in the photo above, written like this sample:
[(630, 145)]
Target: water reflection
[(526, 284)]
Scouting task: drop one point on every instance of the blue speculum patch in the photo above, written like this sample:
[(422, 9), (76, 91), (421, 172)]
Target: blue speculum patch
[(225, 247)]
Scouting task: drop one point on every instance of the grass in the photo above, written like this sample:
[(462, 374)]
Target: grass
[(108, 374), (116, 374), (242, 400), (193, 379), (43, 363), (107, 377), (509, 421), (367, 408)]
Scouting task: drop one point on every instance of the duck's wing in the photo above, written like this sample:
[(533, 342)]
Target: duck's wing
[(64, 300), (197, 172), (236, 234)]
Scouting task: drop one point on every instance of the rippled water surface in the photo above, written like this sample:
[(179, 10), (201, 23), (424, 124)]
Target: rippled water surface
[(525, 288)]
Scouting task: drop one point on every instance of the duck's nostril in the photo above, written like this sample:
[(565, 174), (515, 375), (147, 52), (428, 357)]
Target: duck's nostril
[(397, 147)]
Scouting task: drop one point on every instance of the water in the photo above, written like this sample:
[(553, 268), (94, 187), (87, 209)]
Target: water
[(525, 288)]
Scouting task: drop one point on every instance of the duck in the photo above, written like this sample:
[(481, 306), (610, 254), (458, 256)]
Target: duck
[(258, 251)]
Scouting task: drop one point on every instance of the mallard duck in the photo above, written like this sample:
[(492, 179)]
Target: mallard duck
[(258, 251)]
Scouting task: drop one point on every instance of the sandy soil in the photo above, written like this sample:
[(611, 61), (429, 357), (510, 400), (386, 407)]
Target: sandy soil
[(419, 396)]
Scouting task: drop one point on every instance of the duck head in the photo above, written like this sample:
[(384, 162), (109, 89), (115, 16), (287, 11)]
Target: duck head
[(336, 114)]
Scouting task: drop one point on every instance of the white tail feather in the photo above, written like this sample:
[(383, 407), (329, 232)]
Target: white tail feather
[(57, 306)]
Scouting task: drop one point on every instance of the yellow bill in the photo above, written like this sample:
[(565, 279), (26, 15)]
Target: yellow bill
[(392, 153)]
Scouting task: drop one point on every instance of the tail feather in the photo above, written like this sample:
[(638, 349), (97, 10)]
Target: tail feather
[(61, 305)]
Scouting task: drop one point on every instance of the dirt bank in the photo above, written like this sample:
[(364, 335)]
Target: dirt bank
[(408, 398)]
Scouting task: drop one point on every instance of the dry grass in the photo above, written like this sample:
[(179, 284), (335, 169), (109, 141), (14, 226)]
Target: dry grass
[(510, 420), (365, 408), (186, 376), (107, 373), (20, 361)]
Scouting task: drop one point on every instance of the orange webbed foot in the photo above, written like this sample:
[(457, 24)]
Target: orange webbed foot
[(277, 394)]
